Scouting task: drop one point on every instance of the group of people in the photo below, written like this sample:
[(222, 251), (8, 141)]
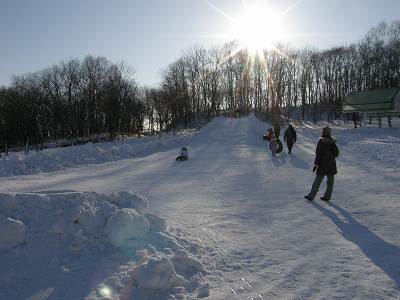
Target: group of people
[(325, 157), (324, 163), (290, 137)]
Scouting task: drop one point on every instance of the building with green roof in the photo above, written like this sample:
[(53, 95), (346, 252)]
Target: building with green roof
[(381, 102), (375, 103)]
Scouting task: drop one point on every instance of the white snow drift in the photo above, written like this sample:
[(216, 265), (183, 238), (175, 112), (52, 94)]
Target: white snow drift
[(62, 158), (12, 233), (76, 245)]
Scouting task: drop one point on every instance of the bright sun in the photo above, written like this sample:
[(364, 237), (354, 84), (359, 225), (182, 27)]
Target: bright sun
[(258, 29)]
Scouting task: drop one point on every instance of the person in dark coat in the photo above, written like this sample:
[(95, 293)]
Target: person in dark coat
[(324, 164), (277, 130), (290, 137), (183, 154)]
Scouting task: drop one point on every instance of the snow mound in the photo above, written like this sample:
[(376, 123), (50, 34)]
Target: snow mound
[(130, 200), (12, 233), (85, 245), (157, 224), (17, 163), (124, 225), (185, 264), (157, 273)]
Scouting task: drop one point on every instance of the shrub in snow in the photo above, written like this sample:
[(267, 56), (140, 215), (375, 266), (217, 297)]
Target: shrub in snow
[(156, 223), (157, 273), (12, 233), (124, 225)]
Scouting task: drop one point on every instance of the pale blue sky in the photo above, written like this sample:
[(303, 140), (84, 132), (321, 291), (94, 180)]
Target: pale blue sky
[(149, 34)]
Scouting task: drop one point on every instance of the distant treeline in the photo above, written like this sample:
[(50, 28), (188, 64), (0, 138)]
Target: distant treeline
[(316, 81), (91, 96)]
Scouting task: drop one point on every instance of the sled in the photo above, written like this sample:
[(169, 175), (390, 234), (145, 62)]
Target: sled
[(279, 146)]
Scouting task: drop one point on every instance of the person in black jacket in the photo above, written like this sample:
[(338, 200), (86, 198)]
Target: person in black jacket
[(277, 130), (290, 137), (324, 164)]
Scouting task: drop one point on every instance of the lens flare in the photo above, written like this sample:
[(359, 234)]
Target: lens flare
[(258, 29), (105, 291)]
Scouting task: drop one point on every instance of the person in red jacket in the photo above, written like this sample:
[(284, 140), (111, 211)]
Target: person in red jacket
[(272, 141), (324, 164)]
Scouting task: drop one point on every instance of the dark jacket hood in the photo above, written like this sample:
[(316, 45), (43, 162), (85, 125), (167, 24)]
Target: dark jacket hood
[(327, 139)]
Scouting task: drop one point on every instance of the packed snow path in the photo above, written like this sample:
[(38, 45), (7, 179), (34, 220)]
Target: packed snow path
[(260, 238)]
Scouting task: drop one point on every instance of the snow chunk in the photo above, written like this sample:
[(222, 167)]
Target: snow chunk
[(163, 240), (12, 233), (78, 242), (157, 273), (157, 224), (130, 200), (185, 264), (59, 227), (204, 291), (124, 225)]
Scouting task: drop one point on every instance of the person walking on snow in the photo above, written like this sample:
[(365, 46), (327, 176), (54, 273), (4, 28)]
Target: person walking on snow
[(272, 141), (183, 154), (277, 130), (290, 137), (324, 164)]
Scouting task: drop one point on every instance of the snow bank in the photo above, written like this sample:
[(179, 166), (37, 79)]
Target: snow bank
[(124, 225), (377, 146), (158, 273), (62, 158), (12, 233), (93, 246)]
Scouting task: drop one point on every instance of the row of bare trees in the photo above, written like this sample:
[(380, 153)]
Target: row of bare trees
[(310, 82), (72, 99), (87, 97)]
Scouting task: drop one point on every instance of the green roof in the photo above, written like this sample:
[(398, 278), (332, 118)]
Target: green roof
[(381, 100)]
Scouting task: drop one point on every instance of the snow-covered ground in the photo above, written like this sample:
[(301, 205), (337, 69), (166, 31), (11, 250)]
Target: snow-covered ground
[(54, 159), (240, 212), (80, 245)]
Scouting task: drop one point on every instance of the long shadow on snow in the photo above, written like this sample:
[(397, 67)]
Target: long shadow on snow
[(296, 162), (383, 254)]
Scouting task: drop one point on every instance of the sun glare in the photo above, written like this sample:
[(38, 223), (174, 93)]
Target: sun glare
[(258, 29)]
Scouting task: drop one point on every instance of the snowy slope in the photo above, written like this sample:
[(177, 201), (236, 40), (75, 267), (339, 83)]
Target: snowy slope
[(18, 163), (256, 236)]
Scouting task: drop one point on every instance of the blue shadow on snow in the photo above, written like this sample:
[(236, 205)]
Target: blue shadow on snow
[(291, 159), (384, 255)]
